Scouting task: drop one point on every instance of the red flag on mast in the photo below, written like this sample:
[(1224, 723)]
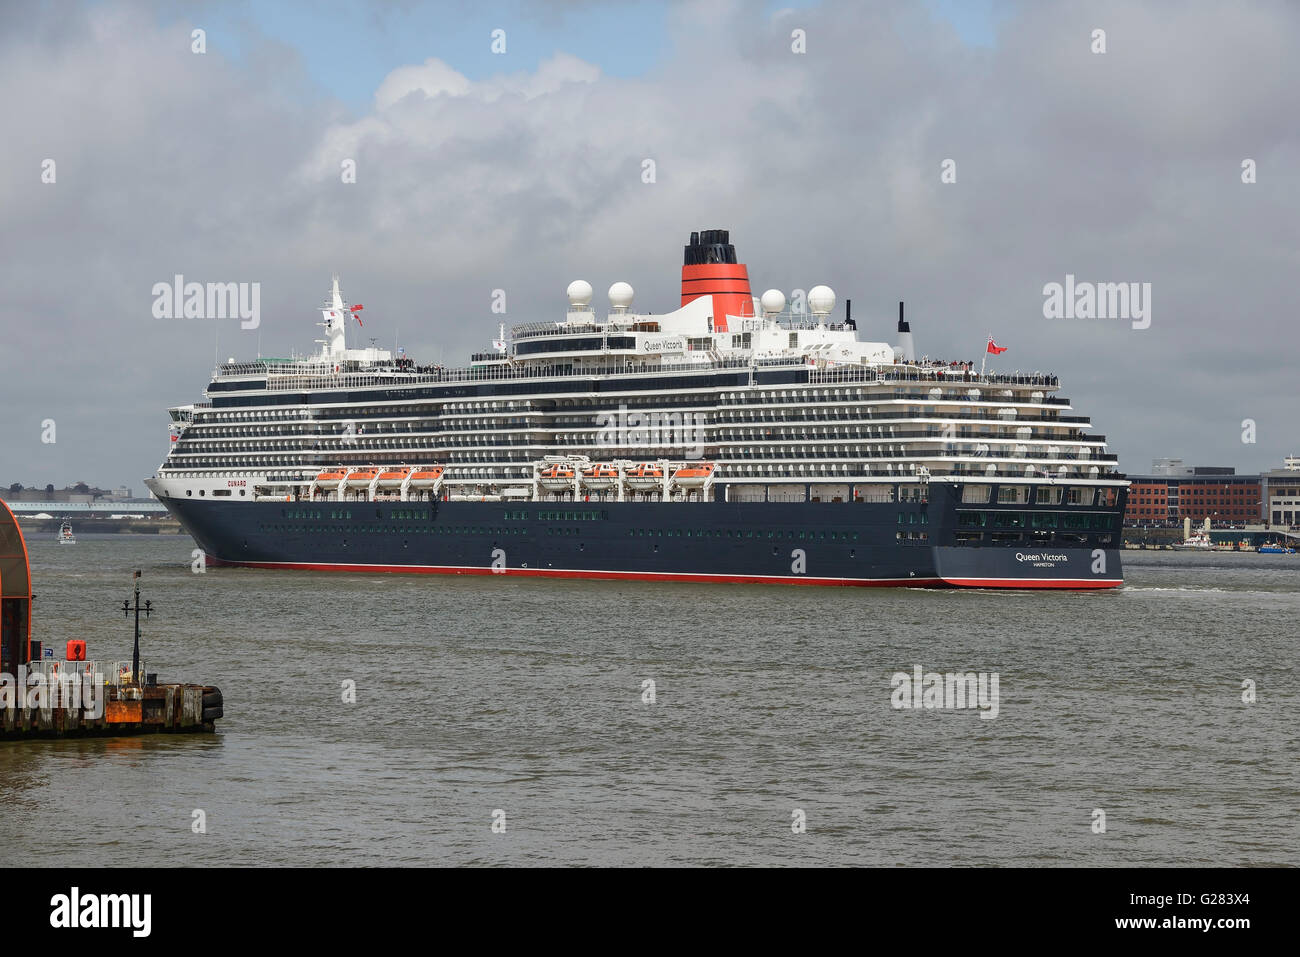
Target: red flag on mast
[(995, 349), (354, 310)]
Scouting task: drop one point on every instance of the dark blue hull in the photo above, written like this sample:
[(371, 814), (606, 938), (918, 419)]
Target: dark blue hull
[(825, 543)]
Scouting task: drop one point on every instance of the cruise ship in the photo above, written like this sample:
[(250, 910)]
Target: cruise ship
[(736, 438)]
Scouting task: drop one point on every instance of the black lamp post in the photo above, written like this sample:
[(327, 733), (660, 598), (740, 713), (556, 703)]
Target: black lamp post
[(127, 608)]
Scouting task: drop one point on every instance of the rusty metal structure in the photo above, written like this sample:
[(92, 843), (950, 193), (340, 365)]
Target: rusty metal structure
[(15, 595), (45, 698)]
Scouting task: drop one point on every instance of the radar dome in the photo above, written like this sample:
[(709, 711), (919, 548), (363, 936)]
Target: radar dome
[(579, 293), (821, 300), (773, 301), (620, 296)]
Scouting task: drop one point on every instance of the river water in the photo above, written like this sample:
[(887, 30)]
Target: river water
[(772, 737)]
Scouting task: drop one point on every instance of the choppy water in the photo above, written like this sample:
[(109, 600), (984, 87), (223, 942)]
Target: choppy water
[(478, 694)]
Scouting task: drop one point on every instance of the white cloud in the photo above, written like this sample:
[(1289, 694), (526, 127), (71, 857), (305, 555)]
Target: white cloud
[(430, 78)]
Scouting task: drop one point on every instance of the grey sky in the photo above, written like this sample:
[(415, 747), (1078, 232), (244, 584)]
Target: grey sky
[(825, 166)]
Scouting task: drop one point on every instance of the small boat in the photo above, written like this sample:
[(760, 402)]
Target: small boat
[(65, 534), (1276, 548), (331, 477), (694, 476), (393, 478), (1198, 542), (361, 478), (645, 477), (600, 476), (556, 478), (426, 477)]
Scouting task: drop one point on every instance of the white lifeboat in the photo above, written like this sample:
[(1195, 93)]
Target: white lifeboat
[(645, 477), (361, 478), (392, 478), (694, 476), (426, 477), (600, 476), (556, 478)]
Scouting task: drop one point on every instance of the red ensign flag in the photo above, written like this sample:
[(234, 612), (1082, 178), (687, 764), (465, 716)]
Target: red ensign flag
[(995, 349)]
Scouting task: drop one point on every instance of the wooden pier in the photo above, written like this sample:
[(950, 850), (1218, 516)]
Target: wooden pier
[(41, 697), (113, 710)]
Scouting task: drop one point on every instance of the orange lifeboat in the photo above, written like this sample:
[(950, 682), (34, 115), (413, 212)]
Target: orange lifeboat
[(645, 476), (333, 477), (556, 477), (694, 476), (600, 476), (426, 477), (393, 478), (361, 478)]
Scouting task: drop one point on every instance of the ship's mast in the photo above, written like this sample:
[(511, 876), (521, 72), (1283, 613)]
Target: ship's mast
[(335, 321)]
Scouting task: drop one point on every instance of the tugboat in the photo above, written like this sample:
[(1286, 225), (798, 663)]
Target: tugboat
[(1199, 541), (65, 534)]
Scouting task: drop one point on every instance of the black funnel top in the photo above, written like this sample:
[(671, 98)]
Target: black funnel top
[(710, 246), (902, 323)]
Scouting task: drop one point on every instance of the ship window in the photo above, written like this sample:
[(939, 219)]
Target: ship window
[(1047, 495)]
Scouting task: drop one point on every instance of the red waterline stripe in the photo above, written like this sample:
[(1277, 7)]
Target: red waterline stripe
[(675, 576), (1035, 582)]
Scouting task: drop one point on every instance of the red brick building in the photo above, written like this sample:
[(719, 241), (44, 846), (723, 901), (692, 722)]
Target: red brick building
[(1167, 499)]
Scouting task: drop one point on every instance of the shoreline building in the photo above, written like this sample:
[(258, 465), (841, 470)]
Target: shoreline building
[(1280, 493), (1173, 492)]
